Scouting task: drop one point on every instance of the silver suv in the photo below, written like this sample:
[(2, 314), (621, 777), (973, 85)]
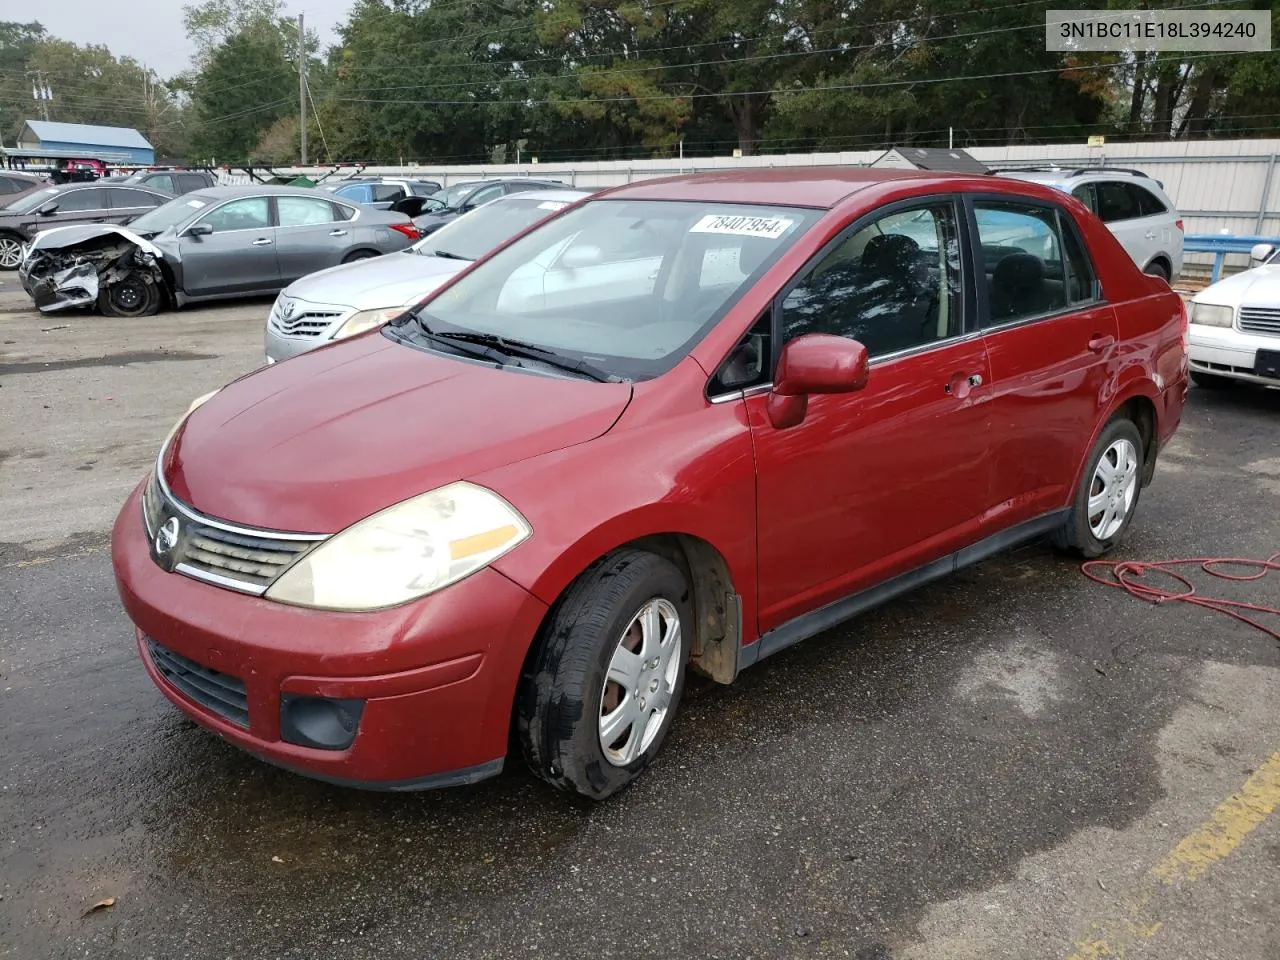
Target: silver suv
[(1132, 205)]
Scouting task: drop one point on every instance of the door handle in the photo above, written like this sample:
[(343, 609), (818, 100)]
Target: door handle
[(1100, 343), (99, 219), (261, 241), (960, 385), (337, 233)]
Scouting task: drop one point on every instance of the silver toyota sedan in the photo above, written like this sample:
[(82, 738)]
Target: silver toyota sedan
[(349, 299), (206, 245)]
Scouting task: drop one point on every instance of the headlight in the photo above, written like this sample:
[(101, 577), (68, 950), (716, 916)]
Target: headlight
[(367, 320), (1211, 314), (406, 551)]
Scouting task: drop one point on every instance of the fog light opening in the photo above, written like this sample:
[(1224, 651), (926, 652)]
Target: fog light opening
[(319, 722)]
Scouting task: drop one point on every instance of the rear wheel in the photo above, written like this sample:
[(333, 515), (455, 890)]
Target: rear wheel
[(1157, 268), (1108, 494), (358, 255), (1210, 381), (134, 296), (10, 251), (601, 690)]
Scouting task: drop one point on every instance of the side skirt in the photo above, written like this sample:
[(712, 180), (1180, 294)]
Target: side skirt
[(824, 618)]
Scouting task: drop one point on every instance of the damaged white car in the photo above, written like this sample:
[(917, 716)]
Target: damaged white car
[(205, 245)]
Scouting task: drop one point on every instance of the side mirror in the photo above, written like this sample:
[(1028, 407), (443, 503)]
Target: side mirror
[(51, 210), (199, 230), (582, 255), (1259, 252), (814, 363)]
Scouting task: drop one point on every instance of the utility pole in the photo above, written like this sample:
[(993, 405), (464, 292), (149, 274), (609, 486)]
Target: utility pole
[(40, 92), (302, 89)]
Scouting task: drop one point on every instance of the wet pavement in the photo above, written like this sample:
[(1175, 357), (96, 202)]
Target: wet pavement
[(991, 767)]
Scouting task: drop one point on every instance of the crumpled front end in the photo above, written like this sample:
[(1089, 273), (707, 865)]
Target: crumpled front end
[(70, 268)]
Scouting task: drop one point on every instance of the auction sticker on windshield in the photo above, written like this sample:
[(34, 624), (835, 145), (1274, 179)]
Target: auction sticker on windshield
[(770, 228)]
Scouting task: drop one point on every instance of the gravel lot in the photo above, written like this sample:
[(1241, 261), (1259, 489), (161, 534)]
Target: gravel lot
[(1013, 763)]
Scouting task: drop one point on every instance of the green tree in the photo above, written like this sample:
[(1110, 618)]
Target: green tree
[(18, 41)]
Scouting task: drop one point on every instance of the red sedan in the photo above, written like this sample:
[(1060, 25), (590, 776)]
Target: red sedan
[(682, 424)]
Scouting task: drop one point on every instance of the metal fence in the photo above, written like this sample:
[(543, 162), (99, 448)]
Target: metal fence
[(1219, 186)]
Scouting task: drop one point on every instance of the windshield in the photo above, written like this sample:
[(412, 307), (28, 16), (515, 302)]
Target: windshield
[(629, 286), (168, 215), (472, 236), (29, 201), (452, 196)]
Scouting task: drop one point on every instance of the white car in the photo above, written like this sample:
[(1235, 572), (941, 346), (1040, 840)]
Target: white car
[(1235, 325), (1134, 207)]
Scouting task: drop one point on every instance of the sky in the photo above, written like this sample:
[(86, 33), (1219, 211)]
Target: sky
[(150, 31)]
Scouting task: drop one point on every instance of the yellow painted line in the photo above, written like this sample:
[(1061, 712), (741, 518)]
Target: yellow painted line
[(39, 561), (1231, 821)]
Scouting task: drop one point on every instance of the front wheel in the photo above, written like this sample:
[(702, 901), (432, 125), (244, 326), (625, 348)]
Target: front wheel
[(601, 690), (133, 296), (10, 252), (1108, 494)]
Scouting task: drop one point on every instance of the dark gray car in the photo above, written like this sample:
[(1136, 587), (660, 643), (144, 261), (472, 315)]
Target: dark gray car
[(74, 203), (206, 245)]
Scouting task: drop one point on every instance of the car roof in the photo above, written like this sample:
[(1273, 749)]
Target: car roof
[(252, 190), (820, 187)]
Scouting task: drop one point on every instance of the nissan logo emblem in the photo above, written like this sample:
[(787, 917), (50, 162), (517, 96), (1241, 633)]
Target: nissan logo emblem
[(167, 536)]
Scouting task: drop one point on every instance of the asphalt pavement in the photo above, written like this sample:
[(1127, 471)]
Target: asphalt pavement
[(1013, 763)]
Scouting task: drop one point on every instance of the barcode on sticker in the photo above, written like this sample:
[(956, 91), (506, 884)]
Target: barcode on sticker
[(771, 228)]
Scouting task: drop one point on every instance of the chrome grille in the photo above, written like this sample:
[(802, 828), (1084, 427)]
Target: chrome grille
[(221, 693), (224, 554), (1260, 319), (304, 320)]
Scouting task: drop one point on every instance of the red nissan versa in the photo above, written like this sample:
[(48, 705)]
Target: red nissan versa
[(682, 424)]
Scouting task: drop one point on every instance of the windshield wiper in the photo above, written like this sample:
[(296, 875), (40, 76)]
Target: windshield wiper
[(520, 348), (448, 255)]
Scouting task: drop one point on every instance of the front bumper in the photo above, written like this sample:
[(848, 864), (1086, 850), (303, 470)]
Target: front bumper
[(436, 677), (1228, 352)]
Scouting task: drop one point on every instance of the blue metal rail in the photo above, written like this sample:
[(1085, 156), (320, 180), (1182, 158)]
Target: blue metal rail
[(1220, 244)]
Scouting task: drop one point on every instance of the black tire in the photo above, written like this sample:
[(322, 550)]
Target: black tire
[(359, 255), (10, 251), (1157, 268), (562, 689), (136, 295), (1211, 381), (1076, 534)]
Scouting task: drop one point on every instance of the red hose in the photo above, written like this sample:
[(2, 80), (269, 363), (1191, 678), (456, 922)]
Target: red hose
[(1127, 574)]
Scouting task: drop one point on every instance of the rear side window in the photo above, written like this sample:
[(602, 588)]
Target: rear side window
[(1116, 201), (125, 199), (383, 192), (1022, 261), (1148, 203), (1082, 280), (1084, 193), (303, 211), (342, 212), (193, 181)]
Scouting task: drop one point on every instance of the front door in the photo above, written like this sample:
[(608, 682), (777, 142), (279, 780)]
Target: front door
[(1052, 343), (238, 257), (875, 483)]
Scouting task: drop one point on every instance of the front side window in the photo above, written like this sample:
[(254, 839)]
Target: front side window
[(892, 285), (484, 195), (163, 182), (248, 213), (627, 285), (1022, 263), (360, 192), (303, 211)]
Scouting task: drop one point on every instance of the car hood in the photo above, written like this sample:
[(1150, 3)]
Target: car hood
[(315, 444), (59, 238), (386, 281), (1259, 286), (435, 219)]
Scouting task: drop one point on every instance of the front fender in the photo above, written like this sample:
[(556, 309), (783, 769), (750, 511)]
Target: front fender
[(692, 474)]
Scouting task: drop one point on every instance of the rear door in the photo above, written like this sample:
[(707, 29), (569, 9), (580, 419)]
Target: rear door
[(875, 483), (1051, 339), (238, 257), (127, 203), (309, 236)]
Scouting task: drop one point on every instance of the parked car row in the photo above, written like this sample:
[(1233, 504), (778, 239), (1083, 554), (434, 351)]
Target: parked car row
[(676, 425)]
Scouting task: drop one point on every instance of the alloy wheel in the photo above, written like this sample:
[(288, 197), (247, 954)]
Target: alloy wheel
[(640, 682), (1113, 488), (10, 253)]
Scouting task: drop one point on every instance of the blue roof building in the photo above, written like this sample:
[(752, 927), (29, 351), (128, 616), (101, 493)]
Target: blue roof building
[(41, 139)]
